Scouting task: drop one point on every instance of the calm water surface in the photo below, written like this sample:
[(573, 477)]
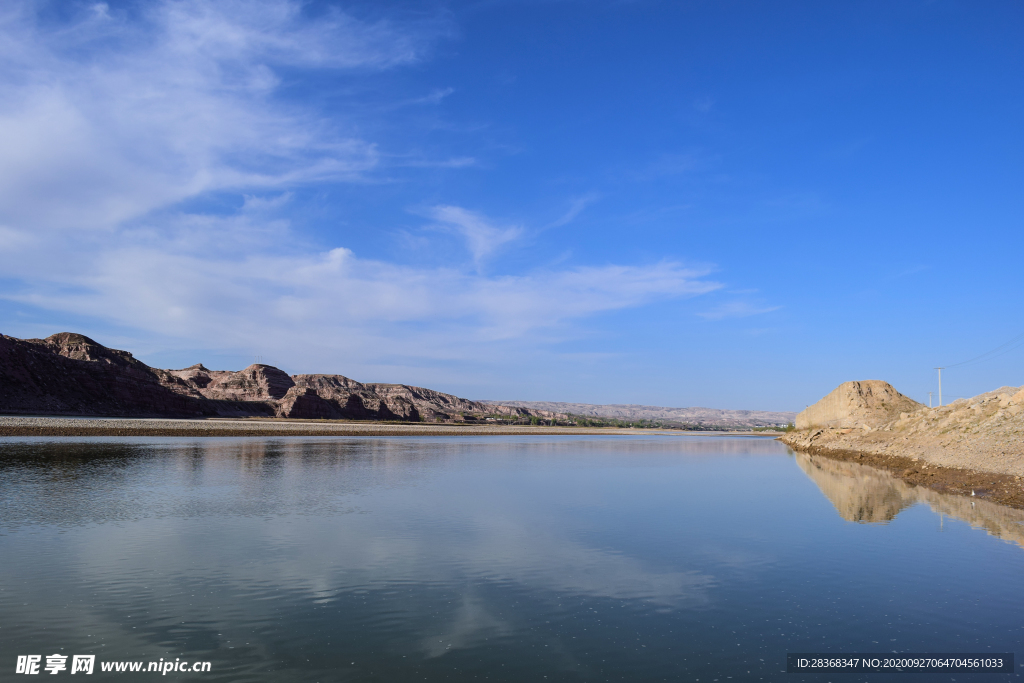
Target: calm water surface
[(506, 559)]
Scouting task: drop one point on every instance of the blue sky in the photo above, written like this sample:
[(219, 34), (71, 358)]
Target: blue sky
[(728, 204)]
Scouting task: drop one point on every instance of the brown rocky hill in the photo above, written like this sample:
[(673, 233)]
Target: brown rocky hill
[(70, 374), (984, 433), (856, 405)]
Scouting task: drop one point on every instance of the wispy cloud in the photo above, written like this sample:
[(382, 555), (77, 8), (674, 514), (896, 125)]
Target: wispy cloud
[(435, 97), (673, 164), (736, 309), (907, 272), (704, 104), (577, 207), (482, 237), (452, 162)]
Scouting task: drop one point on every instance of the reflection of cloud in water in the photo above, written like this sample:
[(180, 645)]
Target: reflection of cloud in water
[(861, 493), (471, 625), (531, 557), (323, 518), (371, 551)]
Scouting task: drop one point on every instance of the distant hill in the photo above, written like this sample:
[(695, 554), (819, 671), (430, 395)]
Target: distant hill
[(629, 412), (70, 374)]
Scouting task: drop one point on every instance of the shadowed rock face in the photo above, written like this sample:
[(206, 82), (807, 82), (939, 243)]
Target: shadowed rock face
[(857, 405), (864, 494), (69, 373)]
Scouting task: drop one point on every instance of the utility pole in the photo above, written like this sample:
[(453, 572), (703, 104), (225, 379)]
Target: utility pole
[(940, 385), (929, 399)]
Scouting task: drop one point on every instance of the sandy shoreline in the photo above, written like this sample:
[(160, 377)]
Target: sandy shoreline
[(96, 426)]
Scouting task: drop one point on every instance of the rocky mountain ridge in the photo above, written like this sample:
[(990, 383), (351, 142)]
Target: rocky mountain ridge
[(629, 412), (71, 374)]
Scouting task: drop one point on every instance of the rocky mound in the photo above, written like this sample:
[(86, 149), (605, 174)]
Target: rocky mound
[(855, 405), (70, 374), (984, 433)]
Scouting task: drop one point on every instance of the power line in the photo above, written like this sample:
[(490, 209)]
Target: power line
[(1000, 350)]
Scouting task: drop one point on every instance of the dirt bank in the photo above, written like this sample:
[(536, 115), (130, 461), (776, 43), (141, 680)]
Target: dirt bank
[(1005, 489)]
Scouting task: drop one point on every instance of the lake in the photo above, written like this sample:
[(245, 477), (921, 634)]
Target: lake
[(562, 558)]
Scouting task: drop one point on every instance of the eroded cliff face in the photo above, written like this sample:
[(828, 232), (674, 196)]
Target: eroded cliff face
[(254, 383), (355, 399), (69, 373)]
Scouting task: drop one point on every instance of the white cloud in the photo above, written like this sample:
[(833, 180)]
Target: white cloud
[(180, 288), (482, 237), (109, 121), (577, 207), (451, 162), (435, 97)]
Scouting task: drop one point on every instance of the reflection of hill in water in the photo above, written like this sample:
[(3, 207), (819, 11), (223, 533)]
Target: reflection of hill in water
[(864, 494), (860, 493)]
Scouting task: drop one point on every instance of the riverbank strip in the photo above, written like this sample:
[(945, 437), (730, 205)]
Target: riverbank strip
[(1005, 489), (83, 426)]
